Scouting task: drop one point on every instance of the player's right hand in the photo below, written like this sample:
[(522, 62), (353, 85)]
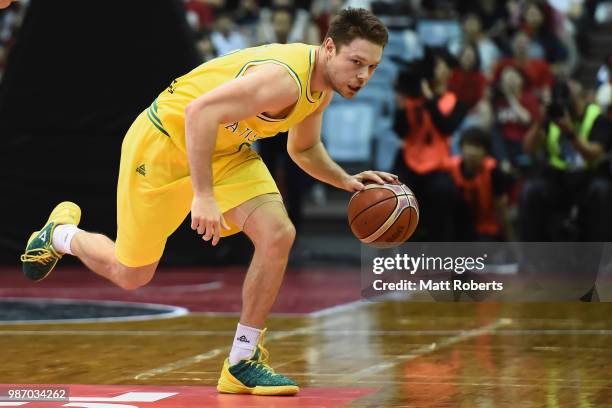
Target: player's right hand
[(207, 219)]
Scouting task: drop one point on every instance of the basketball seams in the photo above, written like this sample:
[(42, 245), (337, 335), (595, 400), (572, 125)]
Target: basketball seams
[(387, 240), (392, 188), (388, 223), (408, 230), (383, 186), (372, 205)]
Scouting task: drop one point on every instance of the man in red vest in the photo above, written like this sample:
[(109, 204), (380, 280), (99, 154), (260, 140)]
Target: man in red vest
[(483, 189), (428, 113)]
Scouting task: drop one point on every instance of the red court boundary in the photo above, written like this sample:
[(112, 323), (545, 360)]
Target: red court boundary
[(127, 396)]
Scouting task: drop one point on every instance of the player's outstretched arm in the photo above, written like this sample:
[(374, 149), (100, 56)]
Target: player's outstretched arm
[(262, 89), (307, 151)]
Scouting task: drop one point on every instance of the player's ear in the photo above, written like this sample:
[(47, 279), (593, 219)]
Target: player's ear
[(329, 46)]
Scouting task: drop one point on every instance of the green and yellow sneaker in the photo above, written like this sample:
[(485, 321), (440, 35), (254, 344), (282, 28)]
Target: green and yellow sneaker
[(40, 257), (254, 376)]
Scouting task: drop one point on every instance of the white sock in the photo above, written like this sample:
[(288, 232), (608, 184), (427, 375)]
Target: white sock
[(62, 237), (245, 341)]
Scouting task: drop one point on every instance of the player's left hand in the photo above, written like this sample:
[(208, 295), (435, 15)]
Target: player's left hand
[(356, 182)]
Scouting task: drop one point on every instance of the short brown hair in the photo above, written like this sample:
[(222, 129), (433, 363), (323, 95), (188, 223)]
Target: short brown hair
[(354, 23)]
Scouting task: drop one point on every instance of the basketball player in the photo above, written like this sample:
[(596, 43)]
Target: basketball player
[(191, 151)]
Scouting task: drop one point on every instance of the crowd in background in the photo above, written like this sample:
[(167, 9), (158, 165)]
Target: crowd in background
[(494, 130), (496, 133)]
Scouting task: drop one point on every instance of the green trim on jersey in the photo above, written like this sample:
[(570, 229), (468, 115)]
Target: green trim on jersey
[(292, 73), (154, 119)]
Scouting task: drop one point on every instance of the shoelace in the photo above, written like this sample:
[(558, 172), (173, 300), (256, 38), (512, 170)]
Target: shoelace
[(43, 256), (262, 361)]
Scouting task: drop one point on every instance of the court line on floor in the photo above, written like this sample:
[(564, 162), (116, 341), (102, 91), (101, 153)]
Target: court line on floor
[(422, 378), (478, 384), (289, 333), (595, 385), (332, 310), (327, 311), (343, 307), (164, 311), (414, 377), (215, 374), (179, 364), (205, 333), (166, 368), (355, 304), (103, 289), (427, 349)]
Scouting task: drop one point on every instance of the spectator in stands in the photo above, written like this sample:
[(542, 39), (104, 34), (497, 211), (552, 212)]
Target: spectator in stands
[(286, 25), (472, 89), (467, 80), (488, 52), (563, 16), (246, 13), (571, 198), (483, 189), (517, 112), (428, 113), (201, 13), (492, 14), (438, 26), (603, 95), (226, 37), (322, 11), (545, 44), (536, 71), (278, 31), (205, 47), (604, 74)]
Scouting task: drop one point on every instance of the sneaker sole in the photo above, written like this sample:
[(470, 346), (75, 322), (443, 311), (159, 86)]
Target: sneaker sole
[(227, 387)]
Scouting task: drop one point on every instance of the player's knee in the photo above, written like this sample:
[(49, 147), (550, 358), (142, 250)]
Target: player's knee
[(280, 237), (133, 278)]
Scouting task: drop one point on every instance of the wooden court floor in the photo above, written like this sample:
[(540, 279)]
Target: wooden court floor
[(398, 354)]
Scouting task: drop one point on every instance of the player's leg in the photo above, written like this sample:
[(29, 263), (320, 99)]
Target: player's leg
[(153, 197), (61, 236), (272, 234), (97, 252), (264, 220)]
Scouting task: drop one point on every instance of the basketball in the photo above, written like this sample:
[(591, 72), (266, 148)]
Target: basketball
[(383, 215)]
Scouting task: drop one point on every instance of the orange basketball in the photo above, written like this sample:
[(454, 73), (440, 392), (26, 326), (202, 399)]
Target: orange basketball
[(383, 215)]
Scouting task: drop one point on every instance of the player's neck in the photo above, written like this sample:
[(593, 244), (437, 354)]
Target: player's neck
[(318, 82)]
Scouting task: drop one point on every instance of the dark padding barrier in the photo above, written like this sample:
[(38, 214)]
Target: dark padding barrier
[(78, 74)]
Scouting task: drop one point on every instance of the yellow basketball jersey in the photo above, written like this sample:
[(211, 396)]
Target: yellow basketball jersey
[(167, 112)]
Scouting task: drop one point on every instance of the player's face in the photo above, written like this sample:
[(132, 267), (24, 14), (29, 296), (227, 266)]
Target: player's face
[(350, 68)]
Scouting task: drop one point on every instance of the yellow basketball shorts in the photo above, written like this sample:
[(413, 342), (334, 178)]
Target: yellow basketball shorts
[(154, 192)]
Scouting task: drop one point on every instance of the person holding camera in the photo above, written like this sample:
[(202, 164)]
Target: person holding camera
[(570, 198)]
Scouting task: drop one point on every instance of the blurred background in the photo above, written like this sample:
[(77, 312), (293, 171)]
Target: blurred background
[(496, 113)]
